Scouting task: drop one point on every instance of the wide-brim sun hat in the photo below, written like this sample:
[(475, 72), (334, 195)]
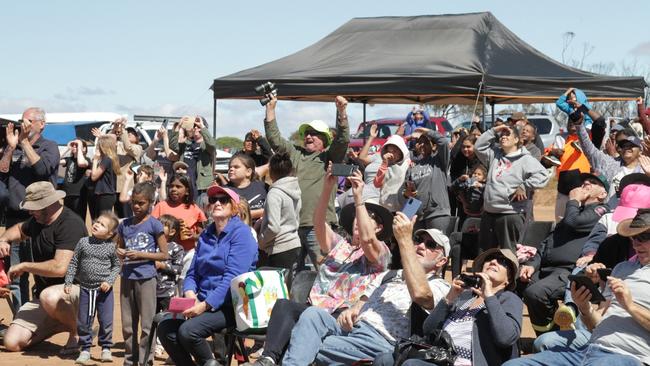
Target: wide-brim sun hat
[(505, 253), (348, 214), (180, 164), (40, 195), (215, 190), (318, 126)]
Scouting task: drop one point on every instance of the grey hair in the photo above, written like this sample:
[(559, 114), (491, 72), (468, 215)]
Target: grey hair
[(39, 113)]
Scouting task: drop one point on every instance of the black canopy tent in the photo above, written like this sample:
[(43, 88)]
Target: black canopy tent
[(440, 59)]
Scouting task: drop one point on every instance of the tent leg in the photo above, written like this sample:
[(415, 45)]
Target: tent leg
[(214, 117), (483, 109), (492, 105), (364, 111)]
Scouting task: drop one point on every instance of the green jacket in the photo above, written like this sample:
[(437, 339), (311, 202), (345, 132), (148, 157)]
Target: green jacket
[(205, 168), (310, 167)]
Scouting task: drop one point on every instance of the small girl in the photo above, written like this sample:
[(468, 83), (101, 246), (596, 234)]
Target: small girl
[(392, 172), (94, 266), (470, 190), (244, 181), (180, 205), (168, 271), (104, 172), (140, 242)]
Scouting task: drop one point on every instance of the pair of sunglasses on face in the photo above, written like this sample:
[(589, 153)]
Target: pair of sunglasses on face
[(221, 199)]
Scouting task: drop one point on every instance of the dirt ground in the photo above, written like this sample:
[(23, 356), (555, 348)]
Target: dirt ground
[(46, 353)]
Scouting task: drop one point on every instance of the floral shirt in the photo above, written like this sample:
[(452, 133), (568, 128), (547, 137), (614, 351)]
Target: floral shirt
[(344, 275)]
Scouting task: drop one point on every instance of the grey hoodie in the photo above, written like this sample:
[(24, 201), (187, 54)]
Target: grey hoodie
[(279, 230), (506, 173)]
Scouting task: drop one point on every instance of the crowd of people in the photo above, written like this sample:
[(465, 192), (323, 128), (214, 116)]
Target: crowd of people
[(165, 225)]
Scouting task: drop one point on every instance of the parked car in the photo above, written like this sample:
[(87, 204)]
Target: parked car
[(147, 127), (386, 128), (547, 126)]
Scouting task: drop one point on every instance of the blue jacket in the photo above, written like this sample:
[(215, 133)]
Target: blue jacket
[(411, 124), (220, 258), (565, 107), (496, 330)]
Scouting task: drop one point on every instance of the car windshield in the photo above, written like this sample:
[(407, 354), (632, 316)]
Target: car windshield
[(544, 126), (384, 131)]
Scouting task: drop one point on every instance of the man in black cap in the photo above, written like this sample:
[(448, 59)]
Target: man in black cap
[(547, 272)]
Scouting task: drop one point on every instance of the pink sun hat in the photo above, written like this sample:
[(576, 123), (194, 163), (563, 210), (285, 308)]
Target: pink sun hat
[(633, 197)]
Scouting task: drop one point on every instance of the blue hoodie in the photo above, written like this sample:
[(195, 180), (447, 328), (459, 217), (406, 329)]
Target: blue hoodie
[(411, 124), (220, 258), (565, 107)]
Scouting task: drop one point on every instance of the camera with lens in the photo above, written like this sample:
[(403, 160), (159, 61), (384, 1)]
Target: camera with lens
[(266, 90), (3, 129), (471, 280)]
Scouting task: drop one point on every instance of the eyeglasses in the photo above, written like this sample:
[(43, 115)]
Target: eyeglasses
[(312, 132), (503, 261), (221, 199), (643, 237)]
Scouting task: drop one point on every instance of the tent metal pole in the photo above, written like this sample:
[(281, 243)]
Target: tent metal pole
[(492, 105), (364, 111), (214, 117), (483, 108)]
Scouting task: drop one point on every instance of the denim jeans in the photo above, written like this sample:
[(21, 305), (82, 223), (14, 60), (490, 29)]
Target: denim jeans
[(309, 247), (184, 339), (19, 286), (318, 335), (592, 355), (571, 339)]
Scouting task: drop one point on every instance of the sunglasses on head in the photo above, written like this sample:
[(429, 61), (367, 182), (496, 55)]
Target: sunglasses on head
[(221, 199), (503, 261), (643, 237)]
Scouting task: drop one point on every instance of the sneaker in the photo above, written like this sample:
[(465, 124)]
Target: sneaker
[(565, 317), (262, 361), (106, 355), (551, 160), (83, 359)]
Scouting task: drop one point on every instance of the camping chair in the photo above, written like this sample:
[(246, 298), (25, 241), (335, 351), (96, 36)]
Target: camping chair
[(537, 231), (300, 288), (464, 244)]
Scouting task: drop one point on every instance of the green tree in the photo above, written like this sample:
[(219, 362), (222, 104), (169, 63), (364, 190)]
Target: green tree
[(229, 142)]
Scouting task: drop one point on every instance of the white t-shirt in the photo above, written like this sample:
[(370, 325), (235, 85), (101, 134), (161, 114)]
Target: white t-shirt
[(387, 307)]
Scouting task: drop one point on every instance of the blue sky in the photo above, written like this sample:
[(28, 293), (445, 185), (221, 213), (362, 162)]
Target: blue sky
[(160, 56)]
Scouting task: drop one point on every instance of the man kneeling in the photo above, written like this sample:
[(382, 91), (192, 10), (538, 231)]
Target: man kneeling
[(374, 323)]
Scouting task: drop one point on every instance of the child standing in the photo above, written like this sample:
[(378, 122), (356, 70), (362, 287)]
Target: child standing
[(279, 242), (94, 266), (168, 271), (140, 242)]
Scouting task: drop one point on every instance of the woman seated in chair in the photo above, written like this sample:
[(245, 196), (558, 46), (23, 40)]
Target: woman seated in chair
[(348, 270), (225, 249), (483, 321)]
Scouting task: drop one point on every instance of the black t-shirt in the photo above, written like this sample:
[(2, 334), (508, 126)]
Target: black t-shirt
[(107, 183), (255, 194), (64, 233), (74, 178), (191, 158)]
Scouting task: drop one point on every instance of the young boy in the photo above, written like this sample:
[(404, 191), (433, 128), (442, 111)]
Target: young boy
[(469, 190), (168, 271), (94, 266), (140, 242)]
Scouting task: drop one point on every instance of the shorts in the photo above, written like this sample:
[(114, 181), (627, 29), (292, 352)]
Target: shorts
[(33, 317)]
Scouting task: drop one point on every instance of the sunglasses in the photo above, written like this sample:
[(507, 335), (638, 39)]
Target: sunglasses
[(503, 261), (643, 237), (221, 199), (430, 244)]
